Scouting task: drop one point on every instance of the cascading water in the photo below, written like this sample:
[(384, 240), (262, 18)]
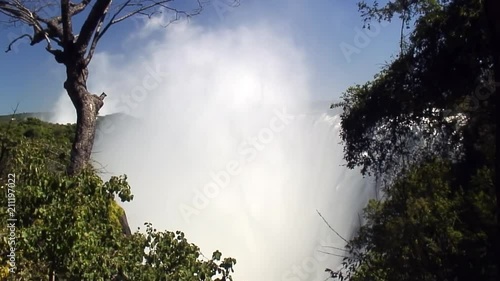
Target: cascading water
[(227, 147)]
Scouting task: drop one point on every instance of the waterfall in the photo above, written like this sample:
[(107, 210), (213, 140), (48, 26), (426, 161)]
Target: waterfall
[(220, 139), (248, 184)]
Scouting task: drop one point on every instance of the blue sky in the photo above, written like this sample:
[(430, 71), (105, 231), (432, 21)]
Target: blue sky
[(325, 30)]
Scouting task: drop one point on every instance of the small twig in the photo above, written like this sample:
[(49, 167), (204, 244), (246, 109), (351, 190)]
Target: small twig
[(9, 48), (14, 112), (332, 254), (336, 248), (332, 227)]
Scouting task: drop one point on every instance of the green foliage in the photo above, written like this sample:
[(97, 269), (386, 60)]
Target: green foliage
[(424, 126), (70, 225), (169, 256), (427, 230), (416, 105), (407, 10)]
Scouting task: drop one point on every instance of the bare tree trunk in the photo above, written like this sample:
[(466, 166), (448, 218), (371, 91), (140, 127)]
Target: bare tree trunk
[(86, 111), (87, 108)]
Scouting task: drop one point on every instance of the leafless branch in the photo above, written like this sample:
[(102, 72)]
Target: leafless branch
[(66, 23), (95, 39), (336, 248), (142, 10), (56, 23), (9, 48), (75, 9), (332, 254), (15, 9), (99, 9), (331, 227), (53, 30)]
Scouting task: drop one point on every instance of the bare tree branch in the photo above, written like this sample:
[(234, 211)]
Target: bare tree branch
[(75, 9), (95, 39), (99, 9), (332, 254), (142, 11), (56, 24), (17, 10), (331, 227), (13, 10), (58, 54), (9, 48), (120, 9), (336, 248), (66, 23)]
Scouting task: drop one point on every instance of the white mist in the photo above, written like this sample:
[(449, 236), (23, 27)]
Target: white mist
[(228, 148)]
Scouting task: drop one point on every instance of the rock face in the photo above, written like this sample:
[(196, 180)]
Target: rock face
[(124, 224), (113, 124), (108, 125)]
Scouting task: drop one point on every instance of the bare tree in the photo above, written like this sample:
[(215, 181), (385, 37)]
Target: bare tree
[(52, 22)]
